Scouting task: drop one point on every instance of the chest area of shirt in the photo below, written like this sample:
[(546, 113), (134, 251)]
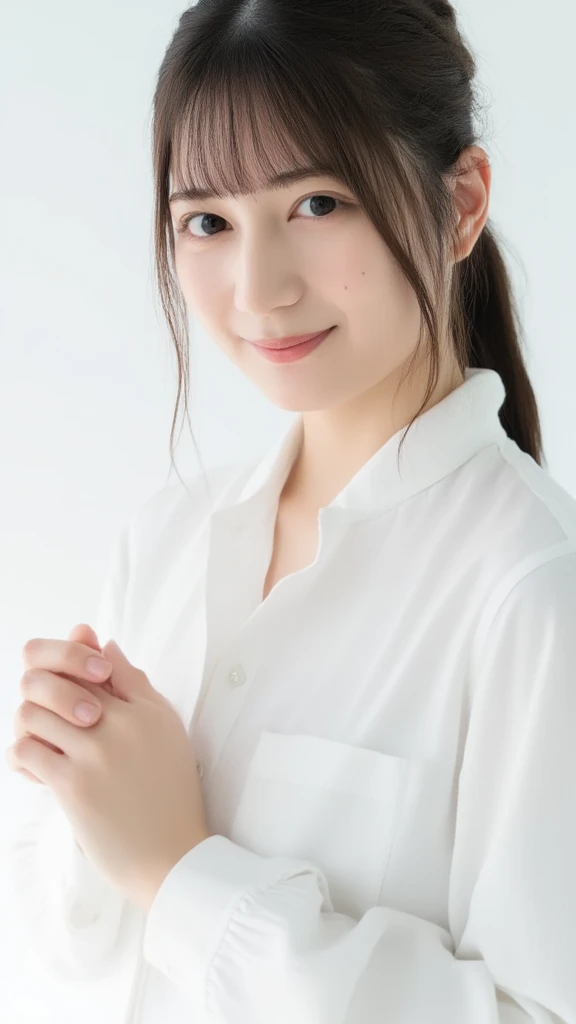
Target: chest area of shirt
[(295, 545)]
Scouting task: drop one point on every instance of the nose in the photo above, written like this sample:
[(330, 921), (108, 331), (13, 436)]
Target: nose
[(265, 281)]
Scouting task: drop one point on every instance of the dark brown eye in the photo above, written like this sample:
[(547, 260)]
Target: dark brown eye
[(207, 223), (321, 205)]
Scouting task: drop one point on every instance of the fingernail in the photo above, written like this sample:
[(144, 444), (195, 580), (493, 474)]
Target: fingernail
[(98, 668), (86, 712)]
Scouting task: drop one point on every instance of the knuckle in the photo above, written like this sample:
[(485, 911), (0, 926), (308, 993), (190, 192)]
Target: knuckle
[(23, 724), (20, 746), (28, 679), (12, 758), (26, 712), (29, 649)]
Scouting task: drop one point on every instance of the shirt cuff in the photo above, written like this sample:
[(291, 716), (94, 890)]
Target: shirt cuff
[(71, 911), (190, 914)]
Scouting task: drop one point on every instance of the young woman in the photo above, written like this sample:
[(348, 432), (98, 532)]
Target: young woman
[(331, 780)]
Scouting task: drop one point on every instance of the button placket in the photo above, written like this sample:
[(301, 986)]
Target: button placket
[(218, 713)]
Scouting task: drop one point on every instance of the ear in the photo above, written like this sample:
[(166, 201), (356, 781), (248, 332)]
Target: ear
[(471, 187)]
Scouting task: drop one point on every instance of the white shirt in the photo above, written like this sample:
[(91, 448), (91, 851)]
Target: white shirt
[(386, 743)]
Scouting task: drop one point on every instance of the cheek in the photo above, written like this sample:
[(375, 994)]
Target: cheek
[(365, 282), (359, 269), (380, 305), (200, 283)]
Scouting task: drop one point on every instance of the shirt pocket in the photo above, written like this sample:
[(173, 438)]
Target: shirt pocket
[(331, 803)]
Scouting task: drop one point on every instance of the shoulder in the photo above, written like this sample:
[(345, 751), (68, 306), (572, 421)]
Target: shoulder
[(531, 529), (513, 515), (529, 499), (543, 495)]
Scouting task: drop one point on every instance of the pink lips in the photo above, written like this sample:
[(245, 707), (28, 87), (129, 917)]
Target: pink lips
[(293, 352), (287, 342)]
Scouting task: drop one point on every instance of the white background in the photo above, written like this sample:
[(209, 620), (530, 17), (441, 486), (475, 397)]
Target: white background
[(88, 378)]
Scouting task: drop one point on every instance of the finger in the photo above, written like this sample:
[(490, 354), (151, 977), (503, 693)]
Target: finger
[(64, 656), (14, 765), (63, 696), (33, 758), (21, 771), (54, 733), (94, 688)]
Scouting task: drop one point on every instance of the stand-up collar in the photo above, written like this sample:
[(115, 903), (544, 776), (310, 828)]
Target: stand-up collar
[(441, 439)]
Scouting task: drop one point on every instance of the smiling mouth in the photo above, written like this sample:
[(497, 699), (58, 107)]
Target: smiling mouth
[(288, 342)]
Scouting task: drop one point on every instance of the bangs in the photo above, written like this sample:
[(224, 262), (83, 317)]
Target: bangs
[(245, 125)]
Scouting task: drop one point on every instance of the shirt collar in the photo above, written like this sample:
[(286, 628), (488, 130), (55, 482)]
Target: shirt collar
[(441, 439)]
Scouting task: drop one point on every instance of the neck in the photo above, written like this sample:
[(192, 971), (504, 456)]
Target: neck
[(338, 441)]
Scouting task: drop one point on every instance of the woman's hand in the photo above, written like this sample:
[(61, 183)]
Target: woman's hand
[(60, 693), (129, 784)]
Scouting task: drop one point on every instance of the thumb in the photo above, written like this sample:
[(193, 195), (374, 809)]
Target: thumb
[(84, 634)]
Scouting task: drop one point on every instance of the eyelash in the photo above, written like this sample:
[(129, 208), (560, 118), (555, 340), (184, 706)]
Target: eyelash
[(183, 223)]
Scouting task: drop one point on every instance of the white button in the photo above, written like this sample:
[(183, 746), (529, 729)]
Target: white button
[(200, 768), (237, 675)]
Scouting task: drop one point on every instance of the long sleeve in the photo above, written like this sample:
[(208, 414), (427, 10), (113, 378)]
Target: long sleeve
[(254, 938), (72, 912)]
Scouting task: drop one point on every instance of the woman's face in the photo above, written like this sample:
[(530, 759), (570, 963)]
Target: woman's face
[(296, 260)]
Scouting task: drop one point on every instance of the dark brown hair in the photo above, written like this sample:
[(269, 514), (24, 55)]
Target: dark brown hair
[(379, 94)]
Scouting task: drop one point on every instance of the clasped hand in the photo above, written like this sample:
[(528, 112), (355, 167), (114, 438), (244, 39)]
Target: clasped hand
[(129, 783)]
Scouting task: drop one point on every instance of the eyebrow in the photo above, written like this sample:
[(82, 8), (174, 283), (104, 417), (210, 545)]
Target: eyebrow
[(281, 180)]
